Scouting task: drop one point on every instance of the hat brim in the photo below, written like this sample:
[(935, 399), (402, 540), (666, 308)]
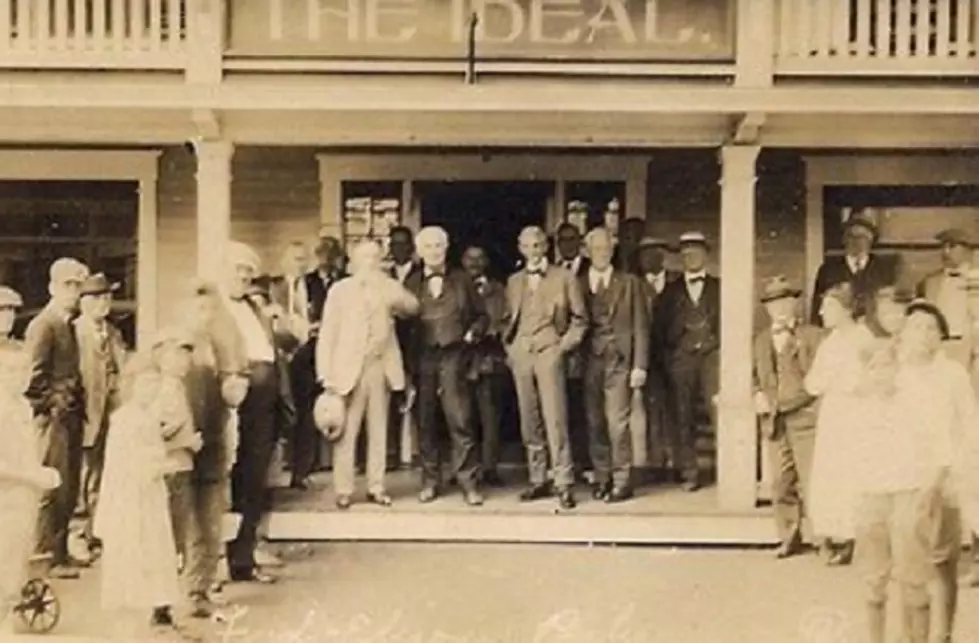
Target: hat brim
[(793, 293), (110, 288), (703, 243), (952, 241), (869, 227)]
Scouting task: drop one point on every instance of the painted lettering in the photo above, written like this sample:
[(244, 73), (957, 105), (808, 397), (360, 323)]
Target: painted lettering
[(399, 12), (554, 11), (489, 10), (321, 11), (619, 21)]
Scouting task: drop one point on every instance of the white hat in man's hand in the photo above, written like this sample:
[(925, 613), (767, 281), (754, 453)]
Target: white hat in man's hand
[(329, 415)]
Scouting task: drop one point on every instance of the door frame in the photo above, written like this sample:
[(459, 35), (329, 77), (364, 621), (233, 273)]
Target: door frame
[(335, 168), (138, 166)]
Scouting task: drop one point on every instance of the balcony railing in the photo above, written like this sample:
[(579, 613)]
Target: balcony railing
[(877, 37), (93, 34)]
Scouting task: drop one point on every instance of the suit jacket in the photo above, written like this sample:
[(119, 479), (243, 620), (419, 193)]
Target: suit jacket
[(765, 377), (472, 312), (54, 382), (403, 325), (583, 265), (285, 404), (879, 272), (341, 347), (100, 399), (630, 319), (293, 328), (316, 292), (561, 292), (666, 328), (489, 357)]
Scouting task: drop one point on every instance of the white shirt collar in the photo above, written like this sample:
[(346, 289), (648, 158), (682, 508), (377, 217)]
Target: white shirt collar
[(540, 265), (700, 274), (604, 274), (857, 263)]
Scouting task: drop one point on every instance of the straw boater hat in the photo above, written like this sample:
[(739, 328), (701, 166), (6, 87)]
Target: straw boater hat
[(10, 298), (955, 237), (778, 287), (693, 238), (98, 284), (330, 415), (925, 306), (656, 242)]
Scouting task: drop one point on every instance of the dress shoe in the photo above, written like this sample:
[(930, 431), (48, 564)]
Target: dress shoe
[(535, 492), (691, 486), (600, 491), (428, 494), (162, 617), (299, 485), (472, 497), (493, 479), (252, 575), (344, 502), (63, 572), (565, 499), (201, 606), (381, 499), (788, 550), (619, 494)]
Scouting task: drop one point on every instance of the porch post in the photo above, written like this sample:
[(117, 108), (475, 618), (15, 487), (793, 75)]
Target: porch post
[(736, 431), (213, 205)]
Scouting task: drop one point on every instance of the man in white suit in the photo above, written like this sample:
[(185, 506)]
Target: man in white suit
[(358, 358)]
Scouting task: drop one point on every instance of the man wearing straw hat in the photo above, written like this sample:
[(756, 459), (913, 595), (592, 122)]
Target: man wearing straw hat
[(101, 352), (782, 355), (54, 391)]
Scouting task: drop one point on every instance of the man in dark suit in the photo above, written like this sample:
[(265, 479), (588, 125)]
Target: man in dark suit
[(782, 355), (859, 266), (54, 391), (450, 321), (616, 355), (402, 248), (306, 439), (651, 263), (545, 322), (631, 232), (689, 330)]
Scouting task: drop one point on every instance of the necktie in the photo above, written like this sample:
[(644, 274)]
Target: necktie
[(569, 264), (954, 273), (695, 280)]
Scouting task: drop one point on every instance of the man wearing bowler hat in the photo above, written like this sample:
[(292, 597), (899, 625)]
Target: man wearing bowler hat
[(865, 271), (54, 391), (781, 356), (101, 352), (689, 331)]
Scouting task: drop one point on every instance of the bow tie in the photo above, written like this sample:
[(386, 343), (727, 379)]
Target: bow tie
[(697, 279), (434, 273), (537, 272)]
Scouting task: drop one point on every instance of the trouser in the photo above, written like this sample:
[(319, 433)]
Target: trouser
[(487, 393), (369, 399), (578, 424), (693, 384), (203, 535), (442, 383), (790, 453), (541, 396), (608, 401), (181, 495), (305, 442), (93, 462), (256, 442), (61, 446), (916, 540), (657, 422)]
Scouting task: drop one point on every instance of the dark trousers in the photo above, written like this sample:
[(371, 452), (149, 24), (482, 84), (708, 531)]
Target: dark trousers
[(181, 496), (395, 420), (693, 383), (442, 383), (578, 424), (93, 462), (61, 446), (256, 443), (790, 453), (304, 445), (487, 392), (608, 402)]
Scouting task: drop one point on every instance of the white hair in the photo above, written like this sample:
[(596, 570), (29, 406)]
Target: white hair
[(537, 232), (595, 233), (362, 248), (432, 233)]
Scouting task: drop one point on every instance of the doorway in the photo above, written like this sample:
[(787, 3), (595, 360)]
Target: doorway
[(489, 214)]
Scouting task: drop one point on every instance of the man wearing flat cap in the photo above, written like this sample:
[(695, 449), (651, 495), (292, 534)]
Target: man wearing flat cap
[(858, 266), (101, 352), (54, 391), (782, 355), (688, 328)]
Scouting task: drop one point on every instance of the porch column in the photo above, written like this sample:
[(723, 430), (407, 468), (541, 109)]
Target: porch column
[(736, 431), (213, 205)]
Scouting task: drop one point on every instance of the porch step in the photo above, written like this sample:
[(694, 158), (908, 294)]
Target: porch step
[(367, 524)]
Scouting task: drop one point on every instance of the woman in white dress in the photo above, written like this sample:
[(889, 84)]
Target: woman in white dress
[(837, 377)]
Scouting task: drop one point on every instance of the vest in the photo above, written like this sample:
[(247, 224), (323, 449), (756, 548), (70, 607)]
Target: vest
[(791, 392), (535, 328), (441, 319), (694, 322), (602, 335)]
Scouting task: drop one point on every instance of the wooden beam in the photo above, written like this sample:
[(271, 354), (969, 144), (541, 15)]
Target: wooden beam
[(747, 129), (207, 122)]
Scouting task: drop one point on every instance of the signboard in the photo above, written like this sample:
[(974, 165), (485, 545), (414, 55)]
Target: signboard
[(582, 30)]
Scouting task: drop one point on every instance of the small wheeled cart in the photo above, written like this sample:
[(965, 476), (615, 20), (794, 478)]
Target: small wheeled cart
[(38, 609)]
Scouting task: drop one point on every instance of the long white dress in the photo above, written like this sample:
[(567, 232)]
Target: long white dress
[(836, 376), (139, 560)]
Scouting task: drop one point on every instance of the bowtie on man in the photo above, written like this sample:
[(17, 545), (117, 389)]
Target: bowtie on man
[(545, 322), (257, 413), (102, 352), (688, 329), (488, 368), (358, 359), (54, 391), (616, 357), (451, 321), (781, 356)]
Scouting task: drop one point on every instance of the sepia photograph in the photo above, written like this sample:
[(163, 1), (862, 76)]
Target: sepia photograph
[(489, 321)]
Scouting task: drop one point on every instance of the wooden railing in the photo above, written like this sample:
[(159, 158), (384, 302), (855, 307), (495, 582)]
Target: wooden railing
[(93, 34), (870, 37)]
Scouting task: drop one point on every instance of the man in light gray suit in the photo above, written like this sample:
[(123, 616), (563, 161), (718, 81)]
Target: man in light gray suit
[(358, 358), (545, 321)]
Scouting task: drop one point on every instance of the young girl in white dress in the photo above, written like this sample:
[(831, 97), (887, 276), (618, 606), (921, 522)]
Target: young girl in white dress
[(838, 377)]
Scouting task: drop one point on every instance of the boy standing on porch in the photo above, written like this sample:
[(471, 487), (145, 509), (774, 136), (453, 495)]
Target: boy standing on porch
[(782, 355)]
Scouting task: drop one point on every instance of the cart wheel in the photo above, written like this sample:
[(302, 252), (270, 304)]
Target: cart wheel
[(39, 609)]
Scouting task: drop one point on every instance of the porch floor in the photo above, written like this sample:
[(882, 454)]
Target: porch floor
[(659, 514)]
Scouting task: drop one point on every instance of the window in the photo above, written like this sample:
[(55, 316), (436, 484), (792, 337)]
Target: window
[(370, 209)]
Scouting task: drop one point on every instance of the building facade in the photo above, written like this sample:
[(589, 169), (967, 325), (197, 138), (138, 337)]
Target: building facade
[(761, 122)]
